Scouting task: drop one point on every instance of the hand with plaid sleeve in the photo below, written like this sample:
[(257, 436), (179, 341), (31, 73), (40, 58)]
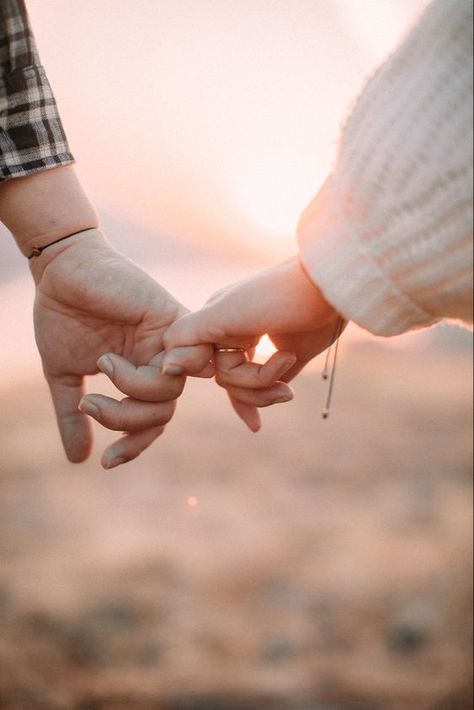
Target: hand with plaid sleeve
[(89, 300)]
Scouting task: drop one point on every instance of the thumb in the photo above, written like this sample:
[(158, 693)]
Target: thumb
[(74, 427), (210, 326), (224, 322), (189, 346)]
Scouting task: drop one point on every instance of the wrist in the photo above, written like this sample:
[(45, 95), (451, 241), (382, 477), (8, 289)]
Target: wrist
[(33, 246), (41, 208), (75, 246), (38, 250), (325, 310)]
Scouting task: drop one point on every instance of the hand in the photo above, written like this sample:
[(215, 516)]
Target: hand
[(90, 301), (281, 302)]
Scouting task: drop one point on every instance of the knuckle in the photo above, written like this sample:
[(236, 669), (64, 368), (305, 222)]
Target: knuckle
[(166, 413), (222, 379), (115, 423), (214, 329), (121, 422), (121, 419), (216, 295), (168, 339)]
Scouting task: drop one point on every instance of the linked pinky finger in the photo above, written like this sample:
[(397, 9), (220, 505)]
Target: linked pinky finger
[(129, 446)]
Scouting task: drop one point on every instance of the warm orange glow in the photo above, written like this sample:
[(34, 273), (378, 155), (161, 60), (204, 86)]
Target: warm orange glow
[(212, 121), (264, 350), (271, 196)]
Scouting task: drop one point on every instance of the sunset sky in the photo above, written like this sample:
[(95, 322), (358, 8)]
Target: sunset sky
[(211, 119), (204, 122)]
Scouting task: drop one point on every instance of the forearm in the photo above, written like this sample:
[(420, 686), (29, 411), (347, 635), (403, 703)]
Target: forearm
[(41, 198), (40, 208)]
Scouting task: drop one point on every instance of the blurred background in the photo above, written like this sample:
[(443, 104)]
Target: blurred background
[(319, 565)]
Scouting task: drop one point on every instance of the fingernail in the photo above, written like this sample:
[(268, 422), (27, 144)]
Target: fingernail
[(87, 407), (105, 364), (170, 369), (283, 398), (115, 462)]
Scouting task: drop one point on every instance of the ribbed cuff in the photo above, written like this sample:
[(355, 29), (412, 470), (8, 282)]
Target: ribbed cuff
[(347, 274)]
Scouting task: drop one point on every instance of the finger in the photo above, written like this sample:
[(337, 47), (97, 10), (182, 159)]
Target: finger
[(74, 427), (202, 327), (293, 371), (127, 415), (229, 361), (129, 446), (279, 393), (252, 374), (207, 372), (248, 413), (190, 329), (245, 410), (189, 361), (145, 382)]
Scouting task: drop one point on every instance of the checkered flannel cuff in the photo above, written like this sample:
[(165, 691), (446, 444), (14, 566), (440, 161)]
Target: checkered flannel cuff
[(32, 138)]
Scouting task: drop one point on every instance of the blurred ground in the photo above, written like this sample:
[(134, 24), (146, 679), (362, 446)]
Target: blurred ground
[(326, 565)]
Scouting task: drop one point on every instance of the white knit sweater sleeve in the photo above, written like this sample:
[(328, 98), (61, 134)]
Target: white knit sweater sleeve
[(388, 239)]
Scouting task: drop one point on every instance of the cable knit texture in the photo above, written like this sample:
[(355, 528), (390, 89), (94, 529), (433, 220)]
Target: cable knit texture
[(388, 239)]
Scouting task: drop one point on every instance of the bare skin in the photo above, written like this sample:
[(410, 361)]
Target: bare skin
[(89, 301)]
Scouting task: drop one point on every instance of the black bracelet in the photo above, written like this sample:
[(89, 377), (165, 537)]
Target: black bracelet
[(38, 250)]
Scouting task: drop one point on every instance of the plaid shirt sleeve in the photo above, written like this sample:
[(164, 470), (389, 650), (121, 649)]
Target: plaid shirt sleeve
[(32, 138)]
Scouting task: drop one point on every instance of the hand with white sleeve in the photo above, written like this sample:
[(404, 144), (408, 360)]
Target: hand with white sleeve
[(280, 301)]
